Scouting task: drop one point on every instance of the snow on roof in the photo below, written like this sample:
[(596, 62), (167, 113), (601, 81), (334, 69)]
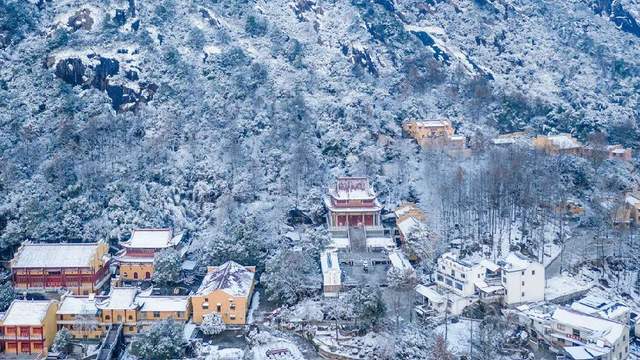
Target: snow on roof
[(331, 273), (433, 123), (163, 303), (399, 261), (603, 329), (503, 141), (376, 206), (456, 137), (515, 262), (74, 305), (484, 287), (489, 265), (561, 286), (601, 307), (230, 277), (380, 242), (407, 225), (47, 255), (152, 239), (26, 312), (352, 188), (339, 242), (120, 298), (430, 293), (583, 352), (564, 141), (632, 199), (188, 265)]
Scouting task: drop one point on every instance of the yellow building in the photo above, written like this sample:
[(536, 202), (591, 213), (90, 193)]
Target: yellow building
[(435, 134), (558, 144), (136, 258), (79, 268), (155, 308), (28, 328), (80, 315), (120, 307), (89, 317), (225, 290)]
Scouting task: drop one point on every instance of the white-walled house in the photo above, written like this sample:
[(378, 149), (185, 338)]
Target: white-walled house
[(522, 279), (458, 275)]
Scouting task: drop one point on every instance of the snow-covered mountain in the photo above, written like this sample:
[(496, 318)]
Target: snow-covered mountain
[(116, 114)]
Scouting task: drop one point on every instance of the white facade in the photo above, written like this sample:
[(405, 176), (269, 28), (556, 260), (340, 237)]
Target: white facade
[(522, 279), (331, 273), (458, 276)]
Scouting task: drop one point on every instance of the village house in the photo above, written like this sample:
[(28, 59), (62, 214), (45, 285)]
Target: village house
[(456, 280), (28, 328), (508, 139), (619, 152), (632, 202), (226, 290), (434, 134), (603, 308), (561, 144), (136, 257), (523, 280), (79, 268), (574, 334)]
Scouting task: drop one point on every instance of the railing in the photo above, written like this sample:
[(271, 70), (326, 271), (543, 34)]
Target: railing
[(110, 343)]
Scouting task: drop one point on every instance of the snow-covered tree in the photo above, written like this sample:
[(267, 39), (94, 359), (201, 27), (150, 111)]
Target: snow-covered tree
[(368, 307), (7, 294), (212, 324), (290, 275), (167, 265), (162, 341), (422, 243), (62, 341)]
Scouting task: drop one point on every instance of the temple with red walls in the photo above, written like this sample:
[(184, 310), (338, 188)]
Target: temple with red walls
[(352, 202), (79, 268)]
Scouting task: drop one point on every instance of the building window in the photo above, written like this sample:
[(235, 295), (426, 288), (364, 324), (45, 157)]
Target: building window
[(440, 278), (232, 306), (135, 275), (107, 317), (205, 306), (232, 317), (119, 318), (522, 272), (131, 328), (576, 332), (522, 294), (449, 282), (156, 314), (523, 283), (458, 286), (533, 272), (147, 275), (218, 307), (179, 314), (463, 276), (130, 317), (453, 273)]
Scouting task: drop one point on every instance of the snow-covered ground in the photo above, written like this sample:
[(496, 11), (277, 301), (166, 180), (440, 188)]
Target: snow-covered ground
[(458, 335)]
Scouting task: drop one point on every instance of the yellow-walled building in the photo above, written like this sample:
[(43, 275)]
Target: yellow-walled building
[(136, 258), (89, 317), (225, 290), (80, 268), (28, 328)]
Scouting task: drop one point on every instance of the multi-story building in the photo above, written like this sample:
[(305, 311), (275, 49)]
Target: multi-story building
[(120, 307), (28, 328), (352, 202), (226, 290), (331, 273), (458, 279), (136, 258), (523, 280), (89, 317), (80, 315), (80, 268)]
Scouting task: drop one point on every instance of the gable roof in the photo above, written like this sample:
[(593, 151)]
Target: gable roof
[(163, 303), (43, 255), (230, 277), (75, 305), (26, 312), (152, 239)]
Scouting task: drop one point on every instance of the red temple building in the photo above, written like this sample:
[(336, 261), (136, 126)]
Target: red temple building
[(136, 258), (81, 268), (352, 202)]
